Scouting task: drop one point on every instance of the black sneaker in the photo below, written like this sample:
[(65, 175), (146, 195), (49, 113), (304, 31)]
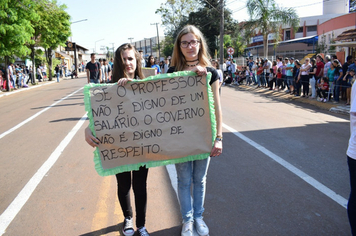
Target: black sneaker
[(142, 231), (127, 227)]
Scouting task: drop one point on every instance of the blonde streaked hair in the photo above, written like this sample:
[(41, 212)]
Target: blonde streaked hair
[(178, 59)]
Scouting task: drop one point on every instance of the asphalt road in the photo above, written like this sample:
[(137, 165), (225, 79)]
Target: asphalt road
[(283, 170)]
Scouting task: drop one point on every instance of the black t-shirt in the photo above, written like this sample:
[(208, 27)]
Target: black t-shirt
[(94, 69), (214, 73), (312, 70)]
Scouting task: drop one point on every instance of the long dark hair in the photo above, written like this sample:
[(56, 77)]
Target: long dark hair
[(148, 64), (119, 65)]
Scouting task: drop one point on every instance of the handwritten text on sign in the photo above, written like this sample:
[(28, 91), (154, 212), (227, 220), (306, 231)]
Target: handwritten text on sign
[(153, 120)]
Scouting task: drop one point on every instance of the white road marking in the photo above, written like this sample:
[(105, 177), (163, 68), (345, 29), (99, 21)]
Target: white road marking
[(14, 208), (35, 115), (310, 180)]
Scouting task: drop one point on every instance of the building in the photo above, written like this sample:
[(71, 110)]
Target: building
[(149, 46), (314, 32)]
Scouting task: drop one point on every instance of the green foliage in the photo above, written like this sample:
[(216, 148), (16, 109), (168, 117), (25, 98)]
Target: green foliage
[(168, 45), (173, 12), (15, 26), (207, 19), (352, 5), (267, 17)]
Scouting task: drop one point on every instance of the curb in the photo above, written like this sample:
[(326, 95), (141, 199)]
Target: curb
[(281, 95), (37, 85)]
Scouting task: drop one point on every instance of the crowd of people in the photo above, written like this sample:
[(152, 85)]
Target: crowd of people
[(20, 75), (324, 79)]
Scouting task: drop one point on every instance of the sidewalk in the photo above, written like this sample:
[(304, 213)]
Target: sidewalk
[(39, 84), (340, 108)]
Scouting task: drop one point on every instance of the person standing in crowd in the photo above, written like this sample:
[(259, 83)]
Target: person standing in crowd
[(166, 65), (351, 159), (327, 66), (312, 80), (127, 66), (57, 72), (143, 61), (151, 63), (233, 67), (304, 77), (105, 67), (190, 54), (289, 74), (39, 74), (44, 71), (338, 78), (296, 74), (267, 68), (215, 64), (260, 78), (345, 68), (109, 69), (319, 67), (349, 79), (330, 79), (93, 70)]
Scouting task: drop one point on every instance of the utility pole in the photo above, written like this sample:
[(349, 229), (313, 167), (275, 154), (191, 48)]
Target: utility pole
[(222, 34), (159, 50), (113, 50), (130, 40)]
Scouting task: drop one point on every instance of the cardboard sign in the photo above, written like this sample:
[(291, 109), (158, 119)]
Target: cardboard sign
[(147, 72), (161, 120)]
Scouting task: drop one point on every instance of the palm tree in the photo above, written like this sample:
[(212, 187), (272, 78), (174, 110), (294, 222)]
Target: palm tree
[(268, 17)]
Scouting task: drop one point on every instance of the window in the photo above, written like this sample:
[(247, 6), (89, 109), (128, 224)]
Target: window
[(300, 30), (287, 35), (311, 28)]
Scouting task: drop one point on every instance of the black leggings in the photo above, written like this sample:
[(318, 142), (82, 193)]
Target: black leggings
[(305, 84), (139, 183)]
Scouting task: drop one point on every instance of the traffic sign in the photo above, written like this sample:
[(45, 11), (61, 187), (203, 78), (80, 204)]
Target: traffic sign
[(230, 50)]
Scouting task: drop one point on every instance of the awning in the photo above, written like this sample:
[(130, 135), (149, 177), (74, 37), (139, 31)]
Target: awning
[(62, 55), (307, 40), (345, 44)]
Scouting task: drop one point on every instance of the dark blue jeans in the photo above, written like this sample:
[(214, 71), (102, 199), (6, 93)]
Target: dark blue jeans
[(351, 206), (337, 90)]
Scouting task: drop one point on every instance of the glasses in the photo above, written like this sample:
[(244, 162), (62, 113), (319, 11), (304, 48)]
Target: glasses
[(193, 43)]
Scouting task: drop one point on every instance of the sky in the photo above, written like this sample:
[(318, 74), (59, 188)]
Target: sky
[(111, 23)]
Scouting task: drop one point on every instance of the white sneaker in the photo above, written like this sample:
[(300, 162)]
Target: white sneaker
[(187, 229), (127, 228), (201, 227)]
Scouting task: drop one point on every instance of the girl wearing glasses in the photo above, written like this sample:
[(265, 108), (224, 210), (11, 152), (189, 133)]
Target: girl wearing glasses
[(190, 54)]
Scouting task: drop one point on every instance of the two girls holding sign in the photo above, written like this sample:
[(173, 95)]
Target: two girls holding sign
[(190, 54)]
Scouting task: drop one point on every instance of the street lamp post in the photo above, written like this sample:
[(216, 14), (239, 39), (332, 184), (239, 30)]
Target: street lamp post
[(96, 42), (159, 50), (75, 45), (130, 40)]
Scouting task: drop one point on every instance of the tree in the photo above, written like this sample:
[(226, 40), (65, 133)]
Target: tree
[(352, 5), (168, 45), (268, 17), (173, 12), (15, 29), (207, 19), (54, 29)]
